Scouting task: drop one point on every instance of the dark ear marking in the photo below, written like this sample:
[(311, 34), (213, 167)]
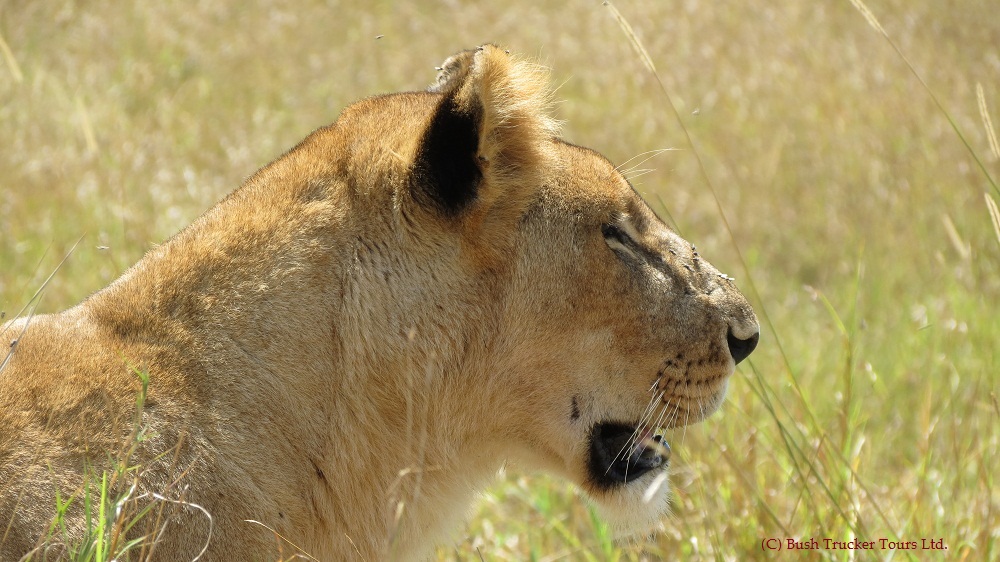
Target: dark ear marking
[(447, 168)]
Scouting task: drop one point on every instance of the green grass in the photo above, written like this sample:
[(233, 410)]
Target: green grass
[(119, 522), (857, 221)]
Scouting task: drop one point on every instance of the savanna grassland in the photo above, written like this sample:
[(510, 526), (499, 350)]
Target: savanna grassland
[(810, 163)]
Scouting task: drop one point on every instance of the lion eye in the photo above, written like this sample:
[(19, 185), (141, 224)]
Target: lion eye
[(619, 241), (613, 231)]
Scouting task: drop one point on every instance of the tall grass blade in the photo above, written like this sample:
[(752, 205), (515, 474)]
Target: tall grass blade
[(33, 303), (8, 55)]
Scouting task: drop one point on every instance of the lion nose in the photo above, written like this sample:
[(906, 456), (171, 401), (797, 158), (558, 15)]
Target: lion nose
[(740, 349)]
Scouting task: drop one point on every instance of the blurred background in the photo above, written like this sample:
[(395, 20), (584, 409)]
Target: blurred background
[(835, 190)]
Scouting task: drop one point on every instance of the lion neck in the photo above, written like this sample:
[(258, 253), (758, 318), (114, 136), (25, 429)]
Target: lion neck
[(375, 386)]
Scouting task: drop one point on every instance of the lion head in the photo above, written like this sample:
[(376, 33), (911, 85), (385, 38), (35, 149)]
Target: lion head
[(568, 324)]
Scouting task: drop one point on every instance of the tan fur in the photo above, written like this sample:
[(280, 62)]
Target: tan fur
[(337, 357)]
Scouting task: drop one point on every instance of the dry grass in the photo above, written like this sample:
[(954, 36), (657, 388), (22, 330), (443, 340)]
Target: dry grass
[(869, 410)]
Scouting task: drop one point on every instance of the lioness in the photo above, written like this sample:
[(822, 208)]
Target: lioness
[(348, 348)]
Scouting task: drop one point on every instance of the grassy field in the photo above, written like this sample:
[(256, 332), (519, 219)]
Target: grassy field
[(857, 221)]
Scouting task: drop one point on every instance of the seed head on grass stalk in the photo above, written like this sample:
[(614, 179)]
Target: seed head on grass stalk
[(991, 134)]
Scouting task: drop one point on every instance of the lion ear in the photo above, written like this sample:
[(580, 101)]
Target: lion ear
[(487, 146)]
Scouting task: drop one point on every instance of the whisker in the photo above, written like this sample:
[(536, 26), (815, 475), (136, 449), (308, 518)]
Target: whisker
[(652, 153), (659, 419), (664, 414), (687, 420), (656, 412), (651, 410), (662, 411), (662, 417), (629, 444), (673, 415), (632, 174), (656, 382)]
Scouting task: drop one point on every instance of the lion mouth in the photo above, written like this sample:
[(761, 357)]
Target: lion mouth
[(621, 453)]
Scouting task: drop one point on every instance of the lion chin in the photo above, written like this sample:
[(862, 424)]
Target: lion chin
[(629, 476), (345, 350)]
